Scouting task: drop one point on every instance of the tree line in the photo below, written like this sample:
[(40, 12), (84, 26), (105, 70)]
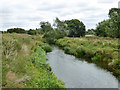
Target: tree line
[(76, 28)]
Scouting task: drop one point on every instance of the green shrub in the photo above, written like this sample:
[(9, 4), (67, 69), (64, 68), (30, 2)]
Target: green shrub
[(95, 58), (68, 50), (47, 48), (42, 77), (89, 53), (99, 57), (116, 63), (80, 52)]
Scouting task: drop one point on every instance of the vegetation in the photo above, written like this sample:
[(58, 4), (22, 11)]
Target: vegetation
[(45, 27), (110, 27), (72, 28), (90, 32), (24, 56), (95, 49), (46, 48), (24, 63), (53, 35), (75, 27), (16, 30)]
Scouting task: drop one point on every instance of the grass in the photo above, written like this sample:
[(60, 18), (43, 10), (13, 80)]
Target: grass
[(24, 63), (98, 50), (42, 77)]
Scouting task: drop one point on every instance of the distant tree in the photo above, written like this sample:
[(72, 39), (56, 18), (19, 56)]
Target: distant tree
[(16, 30), (32, 32), (102, 28), (55, 34), (45, 26), (76, 28), (90, 31), (60, 25)]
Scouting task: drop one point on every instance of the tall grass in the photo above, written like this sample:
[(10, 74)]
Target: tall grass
[(24, 63)]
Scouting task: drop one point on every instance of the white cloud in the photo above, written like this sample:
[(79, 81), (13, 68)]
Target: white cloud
[(28, 13)]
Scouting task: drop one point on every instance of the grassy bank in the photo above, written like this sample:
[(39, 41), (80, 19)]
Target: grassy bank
[(24, 63), (102, 51)]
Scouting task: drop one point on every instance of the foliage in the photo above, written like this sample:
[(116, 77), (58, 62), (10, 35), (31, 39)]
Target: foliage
[(25, 66), (90, 32), (45, 26), (110, 27), (60, 25), (53, 35), (35, 32), (80, 52), (32, 32), (16, 30), (68, 50), (47, 48), (76, 28), (45, 78)]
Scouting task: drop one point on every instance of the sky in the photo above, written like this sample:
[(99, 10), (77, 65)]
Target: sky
[(28, 14)]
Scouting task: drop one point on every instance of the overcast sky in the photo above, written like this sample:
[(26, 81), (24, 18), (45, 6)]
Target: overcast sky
[(28, 13)]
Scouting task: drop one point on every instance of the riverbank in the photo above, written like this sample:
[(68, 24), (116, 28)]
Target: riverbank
[(24, 63), (101, 51)]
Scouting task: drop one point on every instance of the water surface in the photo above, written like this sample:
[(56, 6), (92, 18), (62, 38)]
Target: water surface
[(78, 73)]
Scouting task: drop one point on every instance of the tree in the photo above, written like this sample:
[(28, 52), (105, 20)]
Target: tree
[(114, 15), (90, 31), (45, 26), (60, 25), (103, 28), (16, 30), (110, 27), (76, 28)]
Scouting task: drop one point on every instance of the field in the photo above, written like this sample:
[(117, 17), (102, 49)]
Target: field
[(24, 63), (99, 50)]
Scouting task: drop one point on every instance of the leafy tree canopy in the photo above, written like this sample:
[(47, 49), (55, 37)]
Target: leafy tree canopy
[(16, 30)]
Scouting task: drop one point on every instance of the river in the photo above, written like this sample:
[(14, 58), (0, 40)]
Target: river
[(78, 73)]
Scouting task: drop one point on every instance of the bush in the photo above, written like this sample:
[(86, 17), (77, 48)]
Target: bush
[(100, 57), (80, 52), (47, 48), (68, 50), (95, 58)]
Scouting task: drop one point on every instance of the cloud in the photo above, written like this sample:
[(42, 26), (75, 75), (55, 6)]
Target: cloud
[(28, 13)]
